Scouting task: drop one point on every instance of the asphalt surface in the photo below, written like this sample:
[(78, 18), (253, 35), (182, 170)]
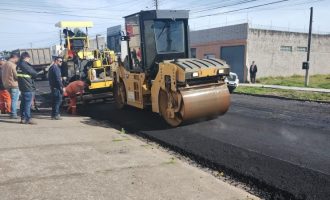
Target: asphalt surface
[(278, 146)]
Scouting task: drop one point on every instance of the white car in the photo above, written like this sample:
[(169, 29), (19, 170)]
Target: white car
[(232, 81)]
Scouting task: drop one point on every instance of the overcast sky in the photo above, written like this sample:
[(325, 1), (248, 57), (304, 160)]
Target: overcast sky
[(26, 23)]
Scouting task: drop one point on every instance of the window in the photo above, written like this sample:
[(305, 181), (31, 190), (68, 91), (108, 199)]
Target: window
[(193, 52), (114, 42), (209, 55), (163, 37), (286, 48), (302, 49), (169, 36)]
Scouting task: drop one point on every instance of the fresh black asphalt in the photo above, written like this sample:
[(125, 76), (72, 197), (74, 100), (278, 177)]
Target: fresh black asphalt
[(279, 144)]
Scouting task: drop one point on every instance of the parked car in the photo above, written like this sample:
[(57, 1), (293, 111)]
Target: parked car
[(232, 81)]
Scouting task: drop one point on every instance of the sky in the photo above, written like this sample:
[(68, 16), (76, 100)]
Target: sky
[(31, 23)]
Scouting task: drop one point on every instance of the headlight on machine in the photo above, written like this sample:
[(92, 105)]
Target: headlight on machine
[(195, 74), (221, 71)]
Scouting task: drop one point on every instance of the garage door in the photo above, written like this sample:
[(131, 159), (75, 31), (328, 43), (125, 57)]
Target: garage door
[(234, 56)]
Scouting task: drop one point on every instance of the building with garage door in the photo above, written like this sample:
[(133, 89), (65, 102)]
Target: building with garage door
[(276, 53)]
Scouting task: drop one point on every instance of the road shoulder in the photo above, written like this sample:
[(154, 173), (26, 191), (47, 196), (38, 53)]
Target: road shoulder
[(79, 158)]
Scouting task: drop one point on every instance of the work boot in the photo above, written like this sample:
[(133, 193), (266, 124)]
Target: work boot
[(57, 118), (74, 110), (30, 122)]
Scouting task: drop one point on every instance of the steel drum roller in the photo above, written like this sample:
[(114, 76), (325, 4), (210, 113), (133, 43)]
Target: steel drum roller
[(205, 101)]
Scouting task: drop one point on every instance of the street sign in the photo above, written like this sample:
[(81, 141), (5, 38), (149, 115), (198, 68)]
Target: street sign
[(305, 65)]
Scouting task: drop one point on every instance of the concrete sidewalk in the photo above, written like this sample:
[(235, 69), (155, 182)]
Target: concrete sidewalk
[(306, 89), (78, 158)]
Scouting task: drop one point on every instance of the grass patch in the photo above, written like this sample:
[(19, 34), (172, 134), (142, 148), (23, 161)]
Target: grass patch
[(315, 81), (300, 95), (146, 145), (170, 162), (120, 139)]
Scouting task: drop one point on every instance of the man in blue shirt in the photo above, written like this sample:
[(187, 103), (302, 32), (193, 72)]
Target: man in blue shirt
[(56, 87)]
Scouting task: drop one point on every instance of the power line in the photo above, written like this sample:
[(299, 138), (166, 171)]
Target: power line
[(228, 5), (197, 6), (288, 6), (156, 4), (52, 13), (25, 33), (22, 20), (76, 8), (246, 8)]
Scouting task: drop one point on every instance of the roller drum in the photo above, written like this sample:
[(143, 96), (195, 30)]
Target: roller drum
[(205, 101)]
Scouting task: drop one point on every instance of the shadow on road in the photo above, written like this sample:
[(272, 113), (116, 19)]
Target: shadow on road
[(132, 119)]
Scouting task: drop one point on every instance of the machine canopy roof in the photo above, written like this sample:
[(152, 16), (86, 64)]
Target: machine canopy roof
[(74, 24)]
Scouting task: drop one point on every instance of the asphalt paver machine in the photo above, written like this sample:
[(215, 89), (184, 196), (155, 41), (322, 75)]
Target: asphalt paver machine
[(82, 63)]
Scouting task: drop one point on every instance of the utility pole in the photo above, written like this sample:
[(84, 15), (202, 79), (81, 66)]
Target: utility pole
[(31, 45), (97, 41), (61, 40), (156, 4), (309, 47)]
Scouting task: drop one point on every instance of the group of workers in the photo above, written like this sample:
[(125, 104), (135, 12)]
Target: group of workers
[(17, 79)]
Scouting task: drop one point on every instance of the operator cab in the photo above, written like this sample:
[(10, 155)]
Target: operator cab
[(154, 36)]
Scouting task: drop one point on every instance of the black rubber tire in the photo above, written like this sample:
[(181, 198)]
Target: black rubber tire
[(120, 95), (163, 103)]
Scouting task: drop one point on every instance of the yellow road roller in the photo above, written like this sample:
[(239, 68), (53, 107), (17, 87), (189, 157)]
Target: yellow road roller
[(158, 73)]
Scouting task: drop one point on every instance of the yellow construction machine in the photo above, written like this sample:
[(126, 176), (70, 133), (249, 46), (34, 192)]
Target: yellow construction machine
[(93, 66), (76, 44), (158, 72), (100, 73)]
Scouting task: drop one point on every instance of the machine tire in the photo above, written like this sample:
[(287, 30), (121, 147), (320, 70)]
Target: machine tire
[(163, 104), (120, 95)]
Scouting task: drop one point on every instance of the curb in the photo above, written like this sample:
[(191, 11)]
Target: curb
[(319, 90), (282, 98)]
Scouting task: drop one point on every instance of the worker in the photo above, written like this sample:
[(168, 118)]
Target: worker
[(72, 90), (5, 100), (9, 80), (56, 87), (26, 75), (253, 72)]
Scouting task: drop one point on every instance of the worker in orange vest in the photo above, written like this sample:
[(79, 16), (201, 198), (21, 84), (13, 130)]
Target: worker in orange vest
[(5, 99), (72, 90)]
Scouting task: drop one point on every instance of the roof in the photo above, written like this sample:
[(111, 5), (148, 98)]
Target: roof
[(162, 14), (225, 33), (74, 24)]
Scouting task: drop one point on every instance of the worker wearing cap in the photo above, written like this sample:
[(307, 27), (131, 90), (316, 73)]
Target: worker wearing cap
[(5, 100), (72, 90), (26, 75)]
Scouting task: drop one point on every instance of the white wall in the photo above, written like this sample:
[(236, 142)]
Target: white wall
[(264, 47)]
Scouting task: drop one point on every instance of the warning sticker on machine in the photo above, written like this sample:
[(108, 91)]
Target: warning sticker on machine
[(130, 96)]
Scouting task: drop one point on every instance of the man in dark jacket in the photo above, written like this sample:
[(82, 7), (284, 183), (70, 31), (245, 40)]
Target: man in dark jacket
[(56, 86), (253, 72), (26, 75)]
